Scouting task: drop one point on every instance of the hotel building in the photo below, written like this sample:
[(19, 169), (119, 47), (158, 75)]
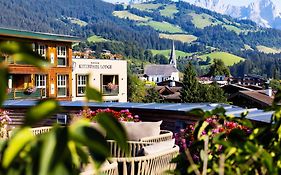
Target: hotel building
[(56, 82), (107, 76)]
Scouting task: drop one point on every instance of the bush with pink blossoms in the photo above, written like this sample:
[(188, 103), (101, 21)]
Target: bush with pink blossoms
[(123, 115), (218, 129), (186, 138)]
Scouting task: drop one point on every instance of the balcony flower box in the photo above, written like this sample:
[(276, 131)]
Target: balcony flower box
[(111, 87), (29, 90)]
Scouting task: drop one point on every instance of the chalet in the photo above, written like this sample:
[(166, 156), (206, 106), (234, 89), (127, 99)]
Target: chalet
[(107, 76), (260, 99), (170, 91), (250, 79), (56, 82)]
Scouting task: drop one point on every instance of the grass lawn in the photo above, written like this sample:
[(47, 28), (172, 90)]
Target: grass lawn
[(203, 20), (227, 58), (146, 7), (179, 37), (268, 50), (169, 11), (167, 53), (77, 21), (163, 27), (125, 14), (233, 28), (247, 47), (96, 39)]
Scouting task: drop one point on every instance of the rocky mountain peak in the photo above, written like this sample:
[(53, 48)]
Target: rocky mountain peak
[(265, 13)]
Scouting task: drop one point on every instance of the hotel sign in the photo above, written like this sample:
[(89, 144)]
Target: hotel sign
[(93, 65)]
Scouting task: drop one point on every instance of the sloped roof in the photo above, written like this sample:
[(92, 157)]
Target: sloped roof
[(257, 96), (165, 70), (254, 113), (37, 35)]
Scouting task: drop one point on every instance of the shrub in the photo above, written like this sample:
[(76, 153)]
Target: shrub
[(123, 115), (221, 144)]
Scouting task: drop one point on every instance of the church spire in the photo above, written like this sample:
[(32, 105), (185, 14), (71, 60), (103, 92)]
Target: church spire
[(173, 59)]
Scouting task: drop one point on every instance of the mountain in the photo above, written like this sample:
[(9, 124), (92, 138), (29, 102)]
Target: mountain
[(266, 13), (135, 30)]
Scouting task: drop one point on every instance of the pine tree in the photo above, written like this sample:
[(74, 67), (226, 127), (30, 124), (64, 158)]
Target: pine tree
[(153, 96), (219, 68), (194, 92), (191, 86)]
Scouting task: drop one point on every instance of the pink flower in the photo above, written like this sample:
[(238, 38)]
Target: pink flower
[(123, 115)]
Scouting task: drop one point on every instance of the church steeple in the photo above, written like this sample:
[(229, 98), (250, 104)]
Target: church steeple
[(173, 58)]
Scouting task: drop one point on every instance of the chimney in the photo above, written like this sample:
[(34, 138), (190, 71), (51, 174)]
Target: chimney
[(268, 92)]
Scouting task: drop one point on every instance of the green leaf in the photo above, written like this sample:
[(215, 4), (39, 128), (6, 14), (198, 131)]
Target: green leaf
[(30, 58), (81, 132), (41, 111), (219, 111), (93, 94), (16, 144), (23, 52), (196, 112), (49, 144), (203, 125), (3, 83), (113, 129)]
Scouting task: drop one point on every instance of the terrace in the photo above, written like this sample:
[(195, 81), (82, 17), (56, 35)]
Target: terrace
[(173, 115), (150, 152)]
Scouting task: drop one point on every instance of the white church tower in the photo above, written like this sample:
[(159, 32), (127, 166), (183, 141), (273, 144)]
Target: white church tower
[(173, 58)]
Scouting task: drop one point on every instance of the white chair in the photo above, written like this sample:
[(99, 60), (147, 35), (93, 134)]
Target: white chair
[(35, 131), (154, 164), (108, 169), (164, 136), (40, 130)]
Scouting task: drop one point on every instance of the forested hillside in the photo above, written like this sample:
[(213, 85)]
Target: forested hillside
[(150, 26)]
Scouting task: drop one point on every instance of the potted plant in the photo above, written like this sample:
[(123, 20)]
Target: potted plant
[(111, 87), (29, 90)]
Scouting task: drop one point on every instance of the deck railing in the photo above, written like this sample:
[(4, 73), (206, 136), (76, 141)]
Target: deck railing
[(21, 94)]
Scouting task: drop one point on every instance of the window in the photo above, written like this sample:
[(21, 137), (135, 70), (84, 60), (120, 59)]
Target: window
[(81, 84), (40, 49), (62, 85), (40, 83), (110, 84), (61, 54)]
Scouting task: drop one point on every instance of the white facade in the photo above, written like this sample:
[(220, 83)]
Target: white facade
[(107, 76), (159, 78)]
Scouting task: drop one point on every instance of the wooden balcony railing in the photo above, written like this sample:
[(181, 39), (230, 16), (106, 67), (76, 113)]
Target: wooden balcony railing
[(21, 94)]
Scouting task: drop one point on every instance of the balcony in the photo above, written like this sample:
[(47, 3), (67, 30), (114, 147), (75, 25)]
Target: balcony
[(10, 60), (21, 94), (110, 91)]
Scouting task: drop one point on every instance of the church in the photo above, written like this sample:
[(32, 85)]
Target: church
[(163, 72)]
